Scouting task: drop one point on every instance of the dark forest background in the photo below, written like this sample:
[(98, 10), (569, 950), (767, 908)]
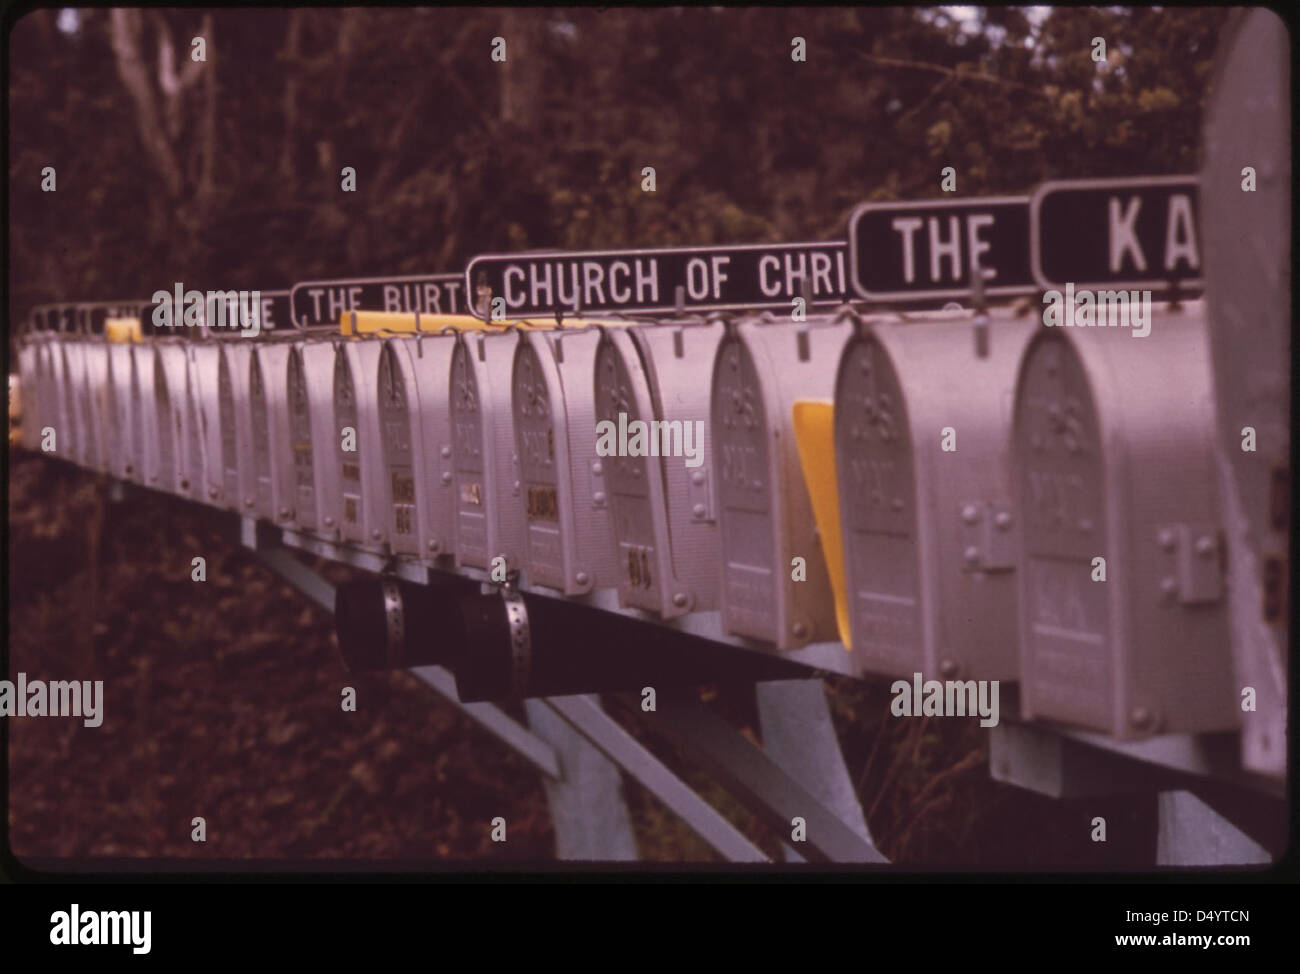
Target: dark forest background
[(226, 173), (223, 701)]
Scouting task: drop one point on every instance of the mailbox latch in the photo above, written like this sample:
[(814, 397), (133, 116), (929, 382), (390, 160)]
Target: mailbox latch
[(987, 539), (1193, 561)]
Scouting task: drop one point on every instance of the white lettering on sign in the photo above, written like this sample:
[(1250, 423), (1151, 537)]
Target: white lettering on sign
[(337, 300), (647, 284), (620, 293), (719, 274), (424, 297), (907, 226), (1180, 234), (950, 248), (512, 272), (1123, 234), (941, 249), (975, 246), (821, 273), (592, 277), (697, 278), (541, 287)]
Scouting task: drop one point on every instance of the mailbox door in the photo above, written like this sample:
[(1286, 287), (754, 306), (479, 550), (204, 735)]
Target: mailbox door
[(260, 429), (274, 357), (401, 444), (318, 439), (489, 519), (365, 514), (300, 442), (766, 516), (348, 446), (96, 402), (431, 370), (39, 395), (195, 452), (122, 450), (49, 366), (595, 564), (233, 408), (679, 362), (537, 401), (636, 485), (569, 545), (144, 412), (165, 428), (69, 389), (959, 414), (1114, 461), (752, 594), (875, 460), (205, 364), (29, 384), (173, 361)]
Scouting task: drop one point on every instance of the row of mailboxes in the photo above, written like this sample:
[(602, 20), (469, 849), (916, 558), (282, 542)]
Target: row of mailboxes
[(1036, 505)]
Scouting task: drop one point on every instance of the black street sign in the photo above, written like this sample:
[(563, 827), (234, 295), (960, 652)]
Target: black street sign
[(1137, 232), (315, 303), (594, 282), (924, 250), (275, 311)]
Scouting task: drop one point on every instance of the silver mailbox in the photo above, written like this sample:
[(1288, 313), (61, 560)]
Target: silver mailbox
[(765, 515), (274, 486), (430, 360), (489, 515), (177, 441), (922, 441), (413, 381), (144, 413), (668, 551), (569, 542), (30, 391), (361, 471), (95, 404), (318, 503), (1113, 459), (237, 474), (120, 447), (49, 367), (71, 365), (205, 369)]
